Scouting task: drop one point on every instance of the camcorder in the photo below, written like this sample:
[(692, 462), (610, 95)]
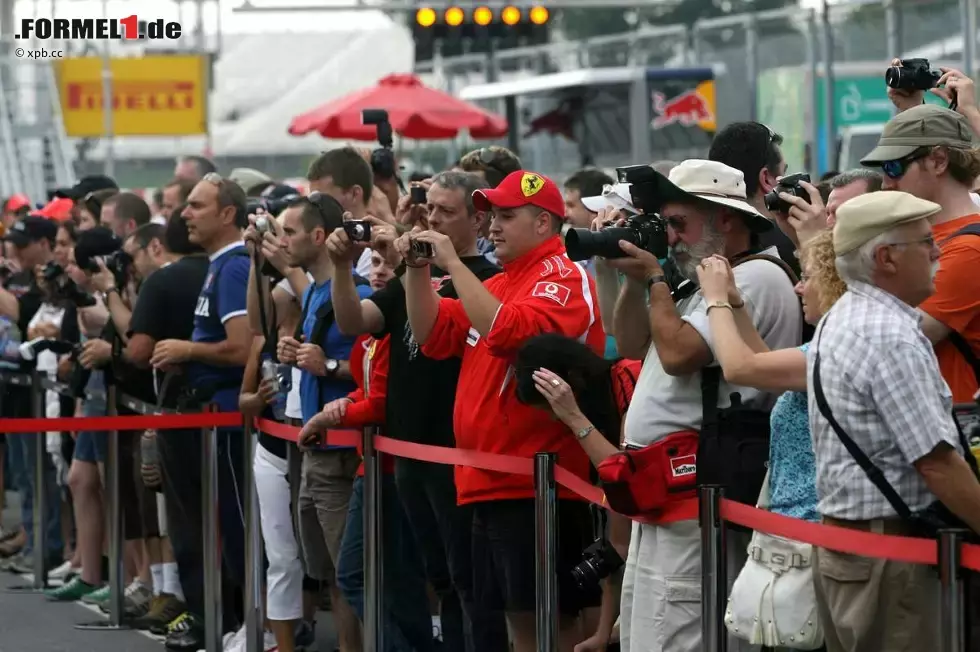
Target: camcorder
[(648, 230), (383, 162), (912, 75), (789, 184), (63, 288), (600, 561)]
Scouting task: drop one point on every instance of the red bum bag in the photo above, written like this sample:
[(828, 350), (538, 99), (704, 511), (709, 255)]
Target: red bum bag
[(642, 480)]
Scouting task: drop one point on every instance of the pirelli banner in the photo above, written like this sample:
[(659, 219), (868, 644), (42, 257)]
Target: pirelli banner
[(158, 95)]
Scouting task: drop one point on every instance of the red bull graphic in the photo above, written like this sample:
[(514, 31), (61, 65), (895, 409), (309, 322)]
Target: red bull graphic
[(691, 108)]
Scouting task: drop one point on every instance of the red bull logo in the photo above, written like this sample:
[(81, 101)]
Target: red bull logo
[(688, 109)]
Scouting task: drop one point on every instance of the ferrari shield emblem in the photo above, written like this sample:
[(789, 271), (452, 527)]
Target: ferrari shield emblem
[(531, 184)]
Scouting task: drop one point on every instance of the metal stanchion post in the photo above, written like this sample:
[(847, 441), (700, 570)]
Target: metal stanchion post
[(40, 580), (714, 580), (952, 623), (373, 585), (212, 551), (113, 468), (546, 551), (40, 488), (253, 550)]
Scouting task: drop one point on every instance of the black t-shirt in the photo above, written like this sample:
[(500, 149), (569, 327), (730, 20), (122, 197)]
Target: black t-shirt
[(165, 307), (421, 391), (29, 298)]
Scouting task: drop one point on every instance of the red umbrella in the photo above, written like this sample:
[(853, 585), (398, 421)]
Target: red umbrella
[(415, 111)]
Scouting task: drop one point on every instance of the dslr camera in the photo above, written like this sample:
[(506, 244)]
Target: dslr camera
[(912, 75), (63, 287), (647, 230), (789, 184), (100, 242), (358, 231), (600, 560)]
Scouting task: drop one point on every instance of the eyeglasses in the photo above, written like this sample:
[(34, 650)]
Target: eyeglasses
[(897, 168), (929, 241), (325, 205)]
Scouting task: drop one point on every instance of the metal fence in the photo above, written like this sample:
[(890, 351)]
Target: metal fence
[(768, 64)]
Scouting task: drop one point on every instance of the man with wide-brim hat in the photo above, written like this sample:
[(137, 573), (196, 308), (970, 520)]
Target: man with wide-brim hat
[(704, 206)]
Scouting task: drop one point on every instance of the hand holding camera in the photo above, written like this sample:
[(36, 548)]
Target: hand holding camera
[(432, 247), (957, 90), (102, 280), (341, 247), (798, 207)]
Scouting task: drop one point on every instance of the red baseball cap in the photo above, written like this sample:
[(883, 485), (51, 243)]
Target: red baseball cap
[(521, 188), (58, 209), (16, 202)]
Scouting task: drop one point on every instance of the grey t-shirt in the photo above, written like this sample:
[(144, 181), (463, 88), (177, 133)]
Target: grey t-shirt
[(664, 404)]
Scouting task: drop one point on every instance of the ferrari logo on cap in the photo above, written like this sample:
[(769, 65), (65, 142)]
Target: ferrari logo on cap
[(531, 184)]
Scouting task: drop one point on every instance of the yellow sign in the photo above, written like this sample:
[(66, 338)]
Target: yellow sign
[(159, 95), (531, 184)]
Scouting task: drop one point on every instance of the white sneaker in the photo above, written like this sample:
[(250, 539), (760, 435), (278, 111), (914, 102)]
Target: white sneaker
[(270, 644), (234, 642), (63, 571)]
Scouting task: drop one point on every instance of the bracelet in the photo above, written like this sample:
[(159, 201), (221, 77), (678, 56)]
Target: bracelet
[(584, 432), (656, 278), (719, 304)]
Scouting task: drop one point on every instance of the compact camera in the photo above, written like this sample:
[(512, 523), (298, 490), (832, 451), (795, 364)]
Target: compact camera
[(912, 75), (418, 195), (647, 231), (358, 230), (788, 184), (422, 249)]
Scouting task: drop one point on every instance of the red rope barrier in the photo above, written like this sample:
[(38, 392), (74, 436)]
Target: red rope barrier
[(866, 544)]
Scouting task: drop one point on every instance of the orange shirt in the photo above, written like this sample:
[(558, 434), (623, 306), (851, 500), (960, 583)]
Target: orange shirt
[(956, 303)]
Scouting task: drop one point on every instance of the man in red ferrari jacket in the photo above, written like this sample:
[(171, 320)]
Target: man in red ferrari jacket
[(540, 291)]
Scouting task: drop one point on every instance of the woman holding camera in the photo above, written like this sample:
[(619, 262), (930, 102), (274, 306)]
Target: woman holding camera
[(590, 395)]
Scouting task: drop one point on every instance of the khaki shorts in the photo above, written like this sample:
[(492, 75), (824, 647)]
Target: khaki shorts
[(325, 490)]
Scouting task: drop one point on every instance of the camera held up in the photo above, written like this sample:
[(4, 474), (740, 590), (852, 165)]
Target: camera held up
[(358, 231), (912, 75), (788, 184), (383, 162), (63, 288), (647, 230)]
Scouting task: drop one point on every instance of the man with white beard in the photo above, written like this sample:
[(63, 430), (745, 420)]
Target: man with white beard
[(704, 205)]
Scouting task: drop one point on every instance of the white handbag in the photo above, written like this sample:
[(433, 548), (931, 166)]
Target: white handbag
[(772, 602)]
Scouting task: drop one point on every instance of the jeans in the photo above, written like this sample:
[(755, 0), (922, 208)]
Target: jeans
[(442, 530), (22, 450), (406, 620)]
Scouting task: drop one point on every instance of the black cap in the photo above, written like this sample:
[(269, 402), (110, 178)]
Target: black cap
[(85, 185), (31, 229), (278, 191)]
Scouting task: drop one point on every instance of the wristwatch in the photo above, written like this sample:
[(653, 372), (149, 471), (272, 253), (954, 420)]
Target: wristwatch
[(332, 366), (656, 278)]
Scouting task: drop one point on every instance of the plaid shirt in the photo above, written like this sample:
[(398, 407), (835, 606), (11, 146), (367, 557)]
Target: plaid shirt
[(883, 385)]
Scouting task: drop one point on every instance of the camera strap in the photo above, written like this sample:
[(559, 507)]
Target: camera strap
[(324, 316), (269, 346)]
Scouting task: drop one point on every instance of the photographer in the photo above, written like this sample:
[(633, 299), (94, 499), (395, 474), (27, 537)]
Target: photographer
[(704, 206), (590, 395), (20, 298), (420, 412), (89, 208), (541, 290)]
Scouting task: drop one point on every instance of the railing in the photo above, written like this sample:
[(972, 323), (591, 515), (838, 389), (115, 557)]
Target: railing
[(948, 552)]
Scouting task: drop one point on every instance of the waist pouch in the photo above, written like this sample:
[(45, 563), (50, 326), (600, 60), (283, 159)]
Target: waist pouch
[(647, 479)]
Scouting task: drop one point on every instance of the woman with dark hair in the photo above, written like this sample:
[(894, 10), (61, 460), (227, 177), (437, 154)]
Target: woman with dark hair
[(590, 395)]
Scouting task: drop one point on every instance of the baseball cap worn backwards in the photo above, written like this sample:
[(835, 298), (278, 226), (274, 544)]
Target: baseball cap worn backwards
[(31, 229), (522, 188), (867, 216), (926, 125)]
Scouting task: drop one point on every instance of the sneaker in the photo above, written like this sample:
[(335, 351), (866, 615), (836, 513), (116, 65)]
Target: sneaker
[(97, 597), (187, 635), (136, 600), (20, 564), (12, 561), (172, 626), (72, 591), (269, 643), (164, 608), (234, 641), (63, 573), (305, 636)]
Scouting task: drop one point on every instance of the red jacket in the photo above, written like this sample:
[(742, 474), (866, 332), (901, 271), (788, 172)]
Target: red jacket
[(369, 358), (541, 292)]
